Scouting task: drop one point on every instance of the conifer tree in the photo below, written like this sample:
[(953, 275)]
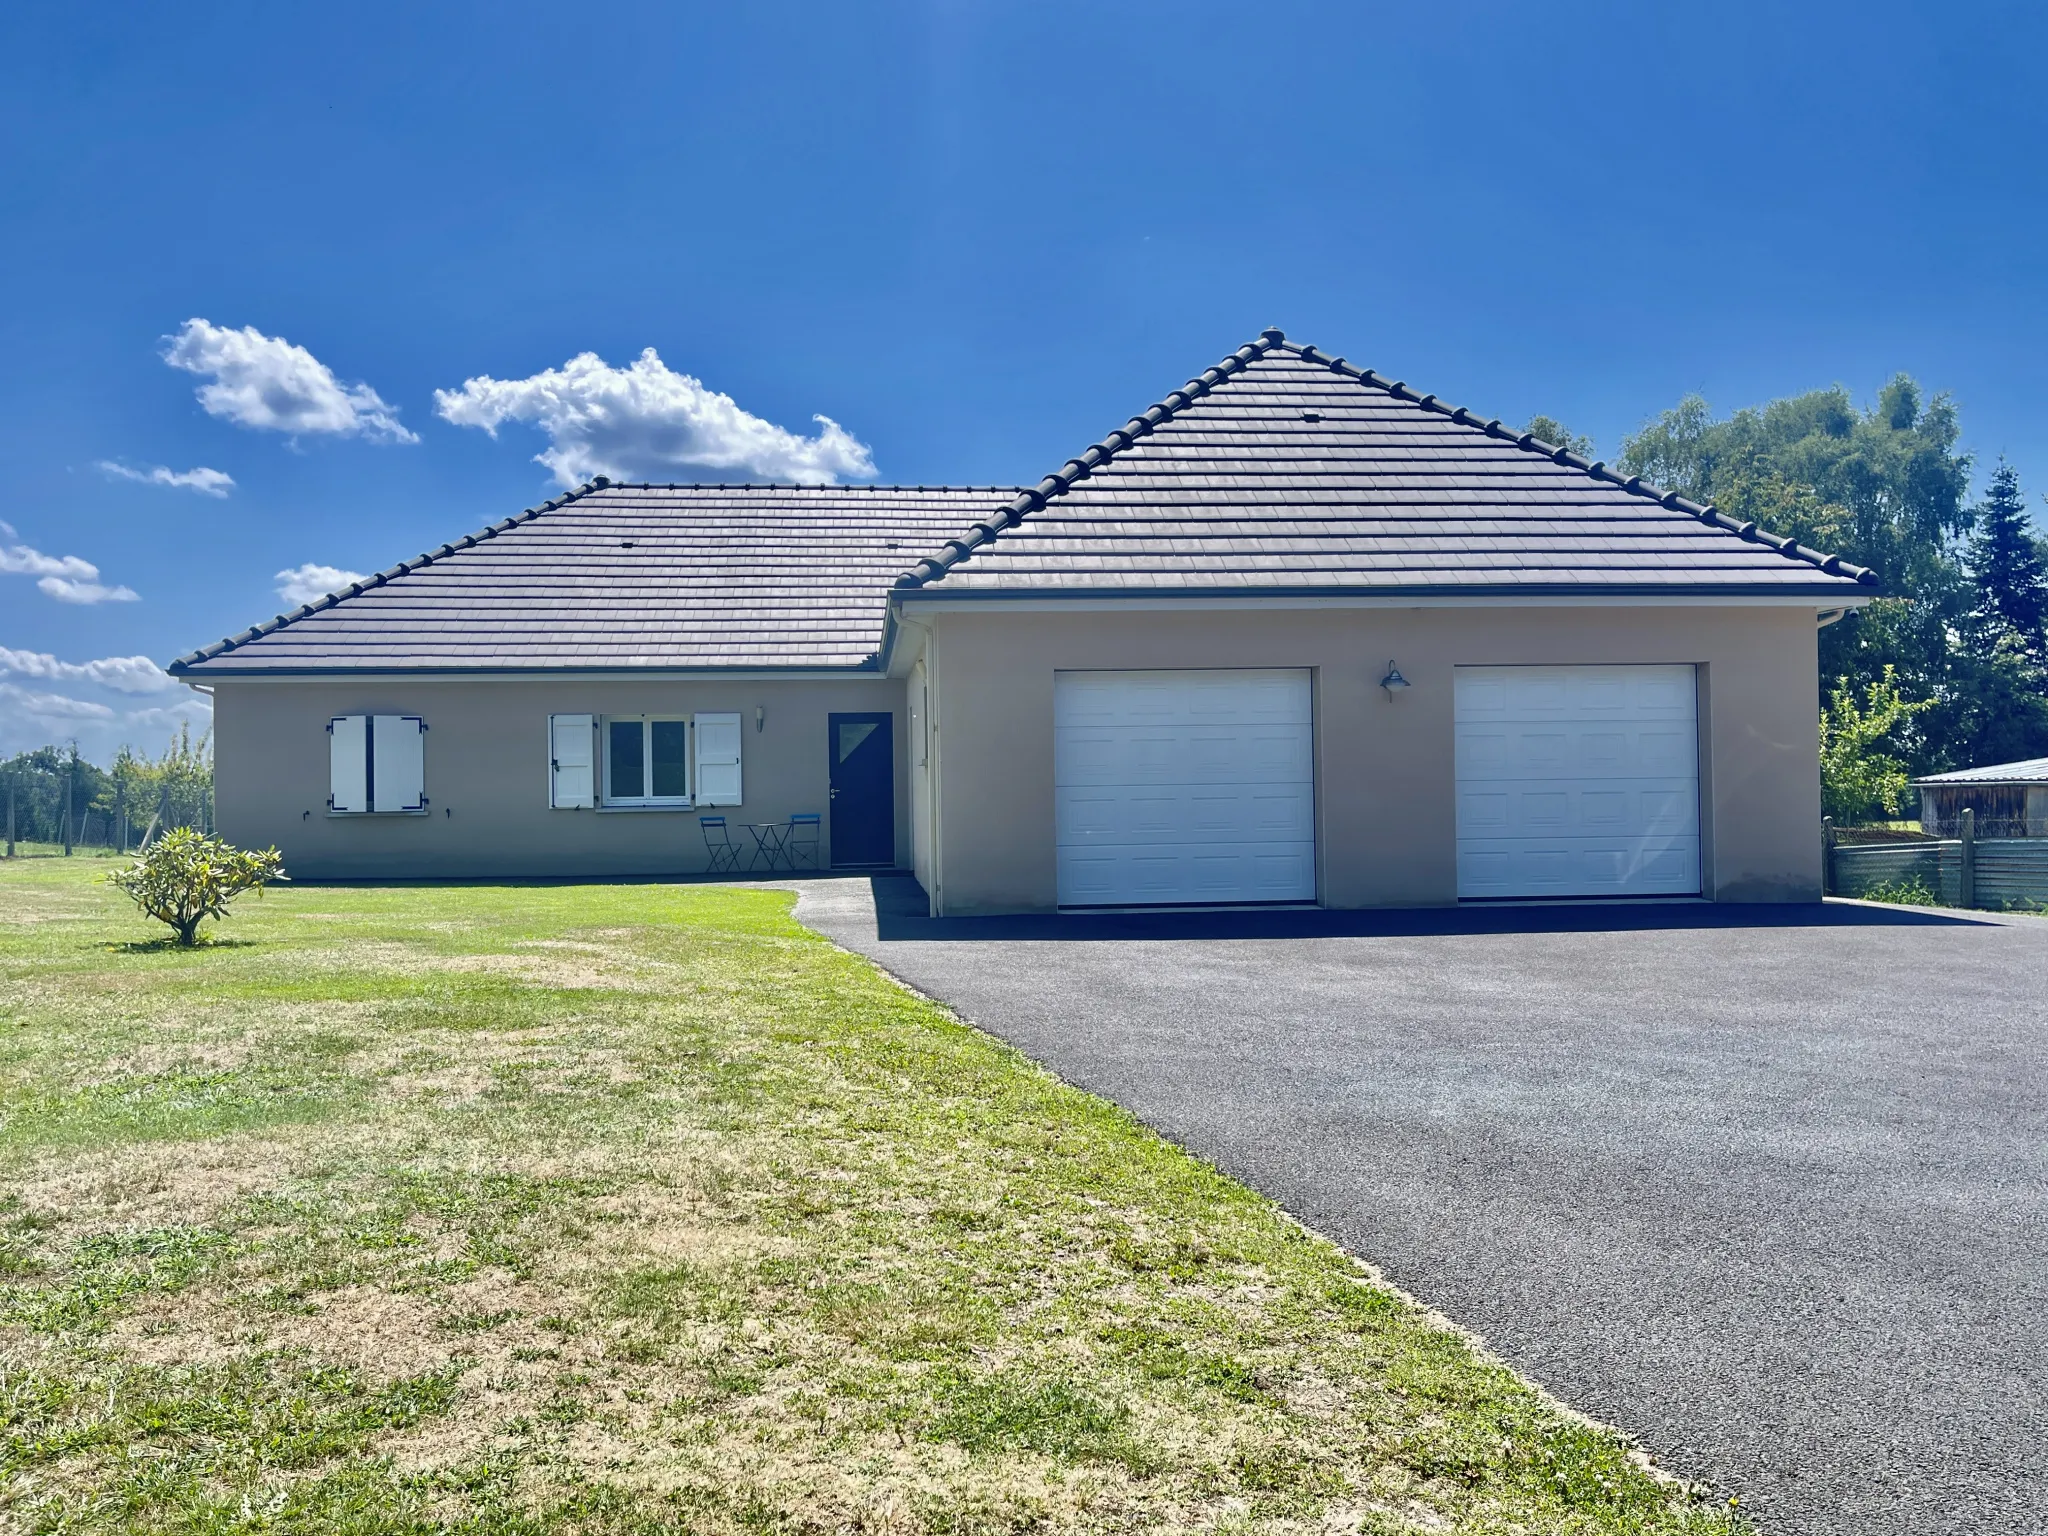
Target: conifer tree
[(2012, 579)]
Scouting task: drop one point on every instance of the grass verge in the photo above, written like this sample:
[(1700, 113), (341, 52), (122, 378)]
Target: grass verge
[(636, 1209)]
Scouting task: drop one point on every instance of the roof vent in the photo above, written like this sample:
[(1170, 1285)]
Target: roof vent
[(1311, 415)]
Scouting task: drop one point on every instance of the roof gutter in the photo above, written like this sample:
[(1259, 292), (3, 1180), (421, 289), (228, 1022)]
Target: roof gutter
[(866, 668), (895, 618), (1827, 600)]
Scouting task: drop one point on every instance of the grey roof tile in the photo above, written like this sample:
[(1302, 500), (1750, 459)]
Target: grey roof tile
[(737, 576), (1226, 484)]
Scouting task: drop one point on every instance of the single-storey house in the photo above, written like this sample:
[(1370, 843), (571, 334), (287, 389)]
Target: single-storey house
[(1295, 634), (2008, 799)]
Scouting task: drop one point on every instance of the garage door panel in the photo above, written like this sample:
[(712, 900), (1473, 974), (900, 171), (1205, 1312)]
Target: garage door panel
[(1604, 751), (1559, 806), (1184, 787), (1639, 692), (1539, 694), (1178, 761), (1672, 752), (1515, 752), (1185, 872), (1120, 699), (1578, 867), (1221, 813), (1577, 781)]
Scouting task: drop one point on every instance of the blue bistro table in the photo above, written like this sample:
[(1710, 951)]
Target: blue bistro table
[(771, 844)]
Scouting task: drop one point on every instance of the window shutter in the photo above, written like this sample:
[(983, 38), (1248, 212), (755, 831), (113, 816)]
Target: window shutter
[(348, 763), (572, 761), (717, 780), (398, 770)]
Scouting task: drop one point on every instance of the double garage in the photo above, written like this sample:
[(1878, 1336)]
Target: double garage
[(1181, 788)]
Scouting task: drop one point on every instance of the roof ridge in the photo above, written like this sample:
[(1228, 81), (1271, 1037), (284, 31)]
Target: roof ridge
[(1091, 458), (1706, 512), (356, 588), (778, 485)]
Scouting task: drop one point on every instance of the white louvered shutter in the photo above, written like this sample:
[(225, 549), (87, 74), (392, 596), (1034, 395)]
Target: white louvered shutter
[(572, 762), (398, 763), (717, 779), (348, 763)]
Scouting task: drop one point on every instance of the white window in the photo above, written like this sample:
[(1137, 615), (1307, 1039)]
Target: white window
[(646, 760), (377, 763), (662, 762)]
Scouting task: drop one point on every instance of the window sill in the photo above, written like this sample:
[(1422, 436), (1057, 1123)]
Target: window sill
[(641, 810), (367, 815)]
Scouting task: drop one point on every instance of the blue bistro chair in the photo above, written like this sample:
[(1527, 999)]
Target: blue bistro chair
[(725, 853), (802, 841)]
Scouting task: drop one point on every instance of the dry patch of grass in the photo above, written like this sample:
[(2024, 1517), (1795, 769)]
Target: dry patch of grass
[(621, 1210)]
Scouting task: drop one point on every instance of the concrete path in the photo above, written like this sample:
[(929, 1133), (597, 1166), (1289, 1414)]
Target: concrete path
[(1766, 1187)]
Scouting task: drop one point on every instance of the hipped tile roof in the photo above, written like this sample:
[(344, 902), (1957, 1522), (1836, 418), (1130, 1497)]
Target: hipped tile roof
[(1283, 470), (627, 576), (1278, 471)]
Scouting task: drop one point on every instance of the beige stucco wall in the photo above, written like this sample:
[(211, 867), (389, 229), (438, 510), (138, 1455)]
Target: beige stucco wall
[(487, 773), (1386, 813)]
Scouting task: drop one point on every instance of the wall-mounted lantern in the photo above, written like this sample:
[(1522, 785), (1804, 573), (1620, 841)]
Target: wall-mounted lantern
[(1394, 682), (760, 718)]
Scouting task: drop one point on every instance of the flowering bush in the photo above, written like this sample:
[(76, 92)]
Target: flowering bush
[(185, 877)]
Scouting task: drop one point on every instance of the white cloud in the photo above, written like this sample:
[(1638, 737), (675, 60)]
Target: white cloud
[(266, 382), (124, 674), (64, 577), (309, 582), (52, 707), (20, 560), (167, 718), (85, 593), (207, 482), (30, 718), (646, 421), (33, 712)]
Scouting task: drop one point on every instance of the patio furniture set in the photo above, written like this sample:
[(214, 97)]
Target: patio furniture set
[(791, 844)]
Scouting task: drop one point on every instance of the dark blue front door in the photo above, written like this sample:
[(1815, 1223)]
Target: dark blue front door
[(863, 750)]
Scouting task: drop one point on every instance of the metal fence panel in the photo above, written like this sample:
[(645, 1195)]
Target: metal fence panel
[(2011, 869), (1861, 868)]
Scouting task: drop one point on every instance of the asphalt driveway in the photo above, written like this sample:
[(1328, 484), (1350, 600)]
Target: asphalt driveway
[(1766, 1187)]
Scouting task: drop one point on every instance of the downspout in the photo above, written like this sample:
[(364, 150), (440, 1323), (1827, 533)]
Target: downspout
[(931, 751)]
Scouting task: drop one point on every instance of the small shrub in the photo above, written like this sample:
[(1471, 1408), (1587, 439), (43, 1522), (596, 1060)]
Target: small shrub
[(185, 877), (1909, 892)]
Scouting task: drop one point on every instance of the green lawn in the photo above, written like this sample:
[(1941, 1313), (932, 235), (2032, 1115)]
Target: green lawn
[(637, 1208)]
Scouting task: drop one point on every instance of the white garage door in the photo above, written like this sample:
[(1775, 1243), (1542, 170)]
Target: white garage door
[(1183, 787), (1578, 781)]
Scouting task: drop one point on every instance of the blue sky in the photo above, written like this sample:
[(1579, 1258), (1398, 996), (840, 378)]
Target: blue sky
[(974, 236)]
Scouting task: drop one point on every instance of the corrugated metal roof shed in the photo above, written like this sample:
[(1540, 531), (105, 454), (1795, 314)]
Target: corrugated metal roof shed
[(2033, 770)]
